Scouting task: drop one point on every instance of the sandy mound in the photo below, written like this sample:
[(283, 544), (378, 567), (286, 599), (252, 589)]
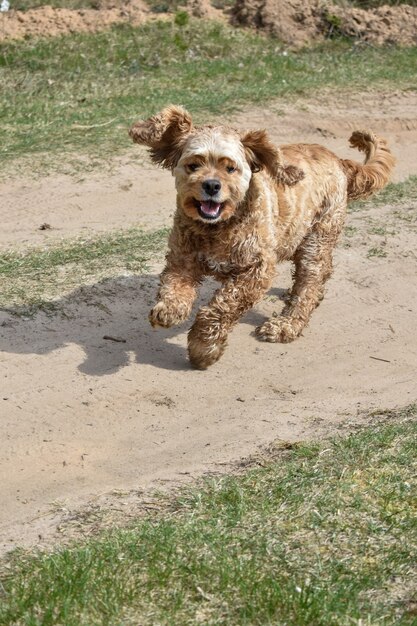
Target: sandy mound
[(51, 22), (293, 21), (297, 22), (384, 25)]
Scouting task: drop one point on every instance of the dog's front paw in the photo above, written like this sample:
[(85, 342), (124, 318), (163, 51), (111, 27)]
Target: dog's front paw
[(204, 352), (168, 314), (278, 330)]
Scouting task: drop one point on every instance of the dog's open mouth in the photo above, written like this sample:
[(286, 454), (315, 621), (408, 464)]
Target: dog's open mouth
[(209, 209)]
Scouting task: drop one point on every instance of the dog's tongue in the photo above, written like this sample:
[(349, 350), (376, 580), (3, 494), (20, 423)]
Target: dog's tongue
[(210, 208)]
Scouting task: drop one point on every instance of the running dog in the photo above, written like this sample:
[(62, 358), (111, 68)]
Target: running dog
[(244, 205)]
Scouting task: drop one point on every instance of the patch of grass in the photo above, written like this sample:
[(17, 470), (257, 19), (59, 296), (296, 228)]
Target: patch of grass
[(35, 279), (377, 251), (80, 93), (409, 216), (350, 231), (393, 193), (381, 230), (325, 535), (223, 4), (397, 215)]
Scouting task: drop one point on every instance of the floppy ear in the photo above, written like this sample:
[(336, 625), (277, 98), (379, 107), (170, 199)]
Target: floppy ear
[(164, 134), (262, 154)]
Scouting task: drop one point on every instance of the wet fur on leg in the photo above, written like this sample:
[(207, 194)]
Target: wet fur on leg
[(244, 205)]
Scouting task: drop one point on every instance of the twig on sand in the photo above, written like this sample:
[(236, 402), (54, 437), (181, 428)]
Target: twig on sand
[(376, 358), (117, 339)]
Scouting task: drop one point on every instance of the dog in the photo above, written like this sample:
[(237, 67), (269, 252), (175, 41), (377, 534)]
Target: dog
[(244, 205)]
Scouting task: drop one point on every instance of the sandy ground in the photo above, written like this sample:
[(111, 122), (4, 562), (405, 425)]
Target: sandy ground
[(83, 418)]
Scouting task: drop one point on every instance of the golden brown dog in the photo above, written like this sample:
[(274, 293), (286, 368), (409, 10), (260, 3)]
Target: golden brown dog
[(244, 205)]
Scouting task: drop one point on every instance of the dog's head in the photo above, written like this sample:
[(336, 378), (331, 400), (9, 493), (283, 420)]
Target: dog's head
[(212, 165)]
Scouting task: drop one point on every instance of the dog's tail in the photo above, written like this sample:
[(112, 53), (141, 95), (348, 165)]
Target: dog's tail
[(373, 175)]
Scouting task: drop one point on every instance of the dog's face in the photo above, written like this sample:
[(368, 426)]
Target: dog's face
[(213, 166), (212, 175)]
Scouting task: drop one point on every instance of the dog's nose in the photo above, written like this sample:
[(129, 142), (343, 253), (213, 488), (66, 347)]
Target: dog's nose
[(211, 186)]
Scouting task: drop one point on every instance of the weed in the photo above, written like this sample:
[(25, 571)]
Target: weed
[(350, 231), (409, 216), (377, 252), (381, 230)]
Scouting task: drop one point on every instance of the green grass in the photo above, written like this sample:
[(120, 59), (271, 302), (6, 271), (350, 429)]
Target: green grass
[(35, 279), (377, 251), (394, 193), (324, 536), (79, 93)]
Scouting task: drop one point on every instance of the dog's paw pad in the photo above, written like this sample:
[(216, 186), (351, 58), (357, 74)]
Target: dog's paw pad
[(202, 356), (276, 331), (167, 314), (161, 315), (202, 352)]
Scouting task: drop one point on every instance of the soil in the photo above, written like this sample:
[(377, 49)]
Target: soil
[(299, 22), (47, 21), (295, 22), (88, 422)]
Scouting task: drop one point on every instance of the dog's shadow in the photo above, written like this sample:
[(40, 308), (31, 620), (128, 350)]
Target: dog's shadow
[(109, 321)]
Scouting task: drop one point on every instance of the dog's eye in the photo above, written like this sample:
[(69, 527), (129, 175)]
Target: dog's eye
[(231, 169), (193, 167)]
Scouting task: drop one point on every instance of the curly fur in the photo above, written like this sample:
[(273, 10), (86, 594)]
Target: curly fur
[(364, 180), (270, 204)]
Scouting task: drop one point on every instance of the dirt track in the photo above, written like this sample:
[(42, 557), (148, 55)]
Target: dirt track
[(83, 416)]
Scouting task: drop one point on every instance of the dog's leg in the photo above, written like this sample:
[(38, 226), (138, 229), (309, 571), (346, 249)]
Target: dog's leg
[(177, 292), (207, 338), (313, 266)]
